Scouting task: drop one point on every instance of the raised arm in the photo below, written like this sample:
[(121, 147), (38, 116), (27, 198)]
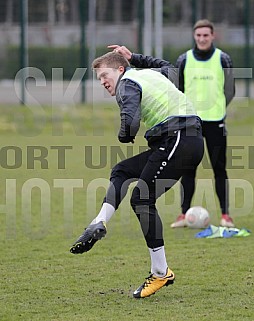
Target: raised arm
[(142, 61)]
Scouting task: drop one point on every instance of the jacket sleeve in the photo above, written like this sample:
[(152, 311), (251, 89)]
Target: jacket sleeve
[(180, 65), (128, 98), (166, 68), (229, 85)]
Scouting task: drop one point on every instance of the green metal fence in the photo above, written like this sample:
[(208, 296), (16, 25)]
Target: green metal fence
[(70, 33)]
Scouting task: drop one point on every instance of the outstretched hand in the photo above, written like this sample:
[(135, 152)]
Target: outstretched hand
[(122, 50)]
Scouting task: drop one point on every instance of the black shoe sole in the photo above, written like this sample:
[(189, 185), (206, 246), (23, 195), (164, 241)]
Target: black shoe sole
[(170, 282), (81, 247), (98, 234)]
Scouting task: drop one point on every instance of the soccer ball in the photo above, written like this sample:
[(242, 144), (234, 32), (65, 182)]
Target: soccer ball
[(197, 217)]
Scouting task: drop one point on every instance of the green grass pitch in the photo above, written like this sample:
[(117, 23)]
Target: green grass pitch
[(54, 168)]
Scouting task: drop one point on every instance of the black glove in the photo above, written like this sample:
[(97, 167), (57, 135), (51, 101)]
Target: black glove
[(126, 139)]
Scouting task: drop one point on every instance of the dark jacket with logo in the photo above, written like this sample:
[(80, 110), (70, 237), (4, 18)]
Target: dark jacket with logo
[(128, 97)]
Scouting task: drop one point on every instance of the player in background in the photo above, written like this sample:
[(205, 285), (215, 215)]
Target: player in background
[(206, 77), (175, 146)]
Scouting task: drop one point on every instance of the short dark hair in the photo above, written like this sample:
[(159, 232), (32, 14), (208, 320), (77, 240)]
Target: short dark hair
[(203, 23), (112, 60)]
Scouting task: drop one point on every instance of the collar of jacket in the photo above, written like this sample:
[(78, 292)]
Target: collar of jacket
[(203, 54), (120, 77)]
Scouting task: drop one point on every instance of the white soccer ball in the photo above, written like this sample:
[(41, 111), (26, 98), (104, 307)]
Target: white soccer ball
[(197, 217)]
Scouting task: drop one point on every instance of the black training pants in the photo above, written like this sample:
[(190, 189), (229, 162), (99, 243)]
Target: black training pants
[(155, 171), (216, 142)]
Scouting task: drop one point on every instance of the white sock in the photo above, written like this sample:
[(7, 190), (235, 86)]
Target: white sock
[(107, 210), (158, 261)]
